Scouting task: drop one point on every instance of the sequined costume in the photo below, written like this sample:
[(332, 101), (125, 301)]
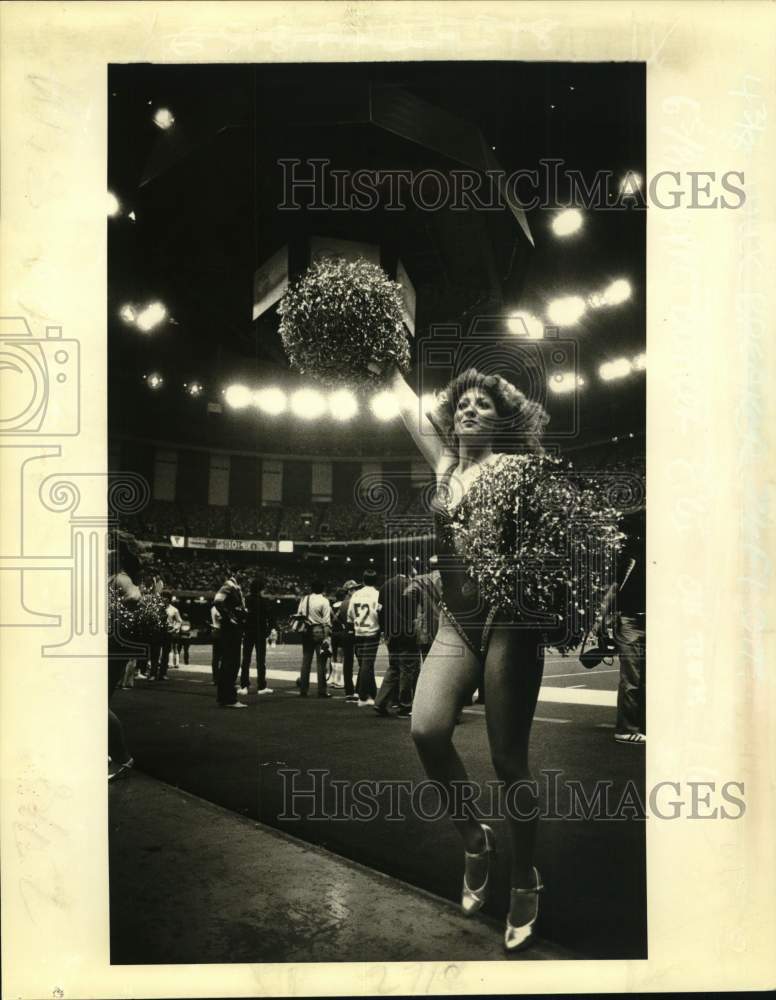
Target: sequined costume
[(461, 601)]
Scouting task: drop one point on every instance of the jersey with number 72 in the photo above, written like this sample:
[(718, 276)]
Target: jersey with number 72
[(363, 611)]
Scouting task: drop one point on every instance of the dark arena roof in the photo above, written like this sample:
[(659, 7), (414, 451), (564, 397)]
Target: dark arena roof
[(204, 199)]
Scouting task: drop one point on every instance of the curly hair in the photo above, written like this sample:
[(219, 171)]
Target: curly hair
[(521, 420)]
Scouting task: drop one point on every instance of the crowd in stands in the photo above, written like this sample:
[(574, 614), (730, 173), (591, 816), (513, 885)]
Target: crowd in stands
[(334, 522), (184, 572), (339, 522)]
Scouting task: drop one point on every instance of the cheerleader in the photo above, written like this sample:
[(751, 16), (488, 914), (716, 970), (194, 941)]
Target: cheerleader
[(474, 643), (124, 562)]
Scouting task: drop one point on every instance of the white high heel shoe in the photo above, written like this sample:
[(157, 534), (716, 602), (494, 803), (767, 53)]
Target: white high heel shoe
[(473, 900), (517, 938)]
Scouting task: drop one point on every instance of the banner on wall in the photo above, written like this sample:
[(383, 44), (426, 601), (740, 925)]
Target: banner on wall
[(224, 544)]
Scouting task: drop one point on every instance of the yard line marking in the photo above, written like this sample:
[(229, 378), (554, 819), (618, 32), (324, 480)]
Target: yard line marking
[(575, 696), (479, 710), (576, 685), (608, 670)]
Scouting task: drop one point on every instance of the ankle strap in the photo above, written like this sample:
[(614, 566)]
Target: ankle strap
[(527, 892)]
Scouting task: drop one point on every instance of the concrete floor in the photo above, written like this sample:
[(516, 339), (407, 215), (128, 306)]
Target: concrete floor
[(192, 882)]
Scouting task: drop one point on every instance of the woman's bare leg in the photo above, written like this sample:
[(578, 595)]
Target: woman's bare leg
[(449, 674), (513, 674)]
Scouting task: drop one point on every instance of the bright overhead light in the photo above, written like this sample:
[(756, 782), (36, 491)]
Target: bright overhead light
[(271, 400), (562, 382), (238, 396), (114, 205), (384, 406), (618, 368), (132, 217), (640, 363), (566, 311), (630, 185), (155, 381), (525, 324), (164, 118), (343, 405), (151, 316), (568, 222), (308, 404), (193, 388), (128, 314), (619, 291)]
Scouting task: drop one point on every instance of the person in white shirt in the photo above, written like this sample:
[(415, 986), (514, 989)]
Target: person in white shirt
[(171, 635), (363, 614), (215, 632), (316, 610)]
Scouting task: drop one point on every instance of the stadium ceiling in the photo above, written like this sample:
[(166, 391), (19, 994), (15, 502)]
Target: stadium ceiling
[(205, 193)]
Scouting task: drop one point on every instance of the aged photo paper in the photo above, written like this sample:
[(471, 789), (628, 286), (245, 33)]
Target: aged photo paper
[(702, 81)]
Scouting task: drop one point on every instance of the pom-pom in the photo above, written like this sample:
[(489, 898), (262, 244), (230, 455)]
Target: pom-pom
[(539, 540), (342, 321), (143, 620)]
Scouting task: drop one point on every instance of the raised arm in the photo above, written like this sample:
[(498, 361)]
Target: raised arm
[(426, 437), (129, 591)]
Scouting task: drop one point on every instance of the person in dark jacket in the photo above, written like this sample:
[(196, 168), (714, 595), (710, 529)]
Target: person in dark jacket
[(257, 626), (397, 623), (625, 607), (230, 605), (346, 639)]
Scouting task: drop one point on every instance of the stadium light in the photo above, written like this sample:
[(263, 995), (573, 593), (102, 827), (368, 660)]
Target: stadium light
[(164, 118), (525, 324), (618, 368), (343, 405), (308, 404), (193, 388), (154, 381), (128, 314), (619, 291), (640, 363), (384, 406), (630, 185), (271, 400), (566, 311), (568, 222), (150, 317), (114, 205), (562, 382), (238, 396)]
